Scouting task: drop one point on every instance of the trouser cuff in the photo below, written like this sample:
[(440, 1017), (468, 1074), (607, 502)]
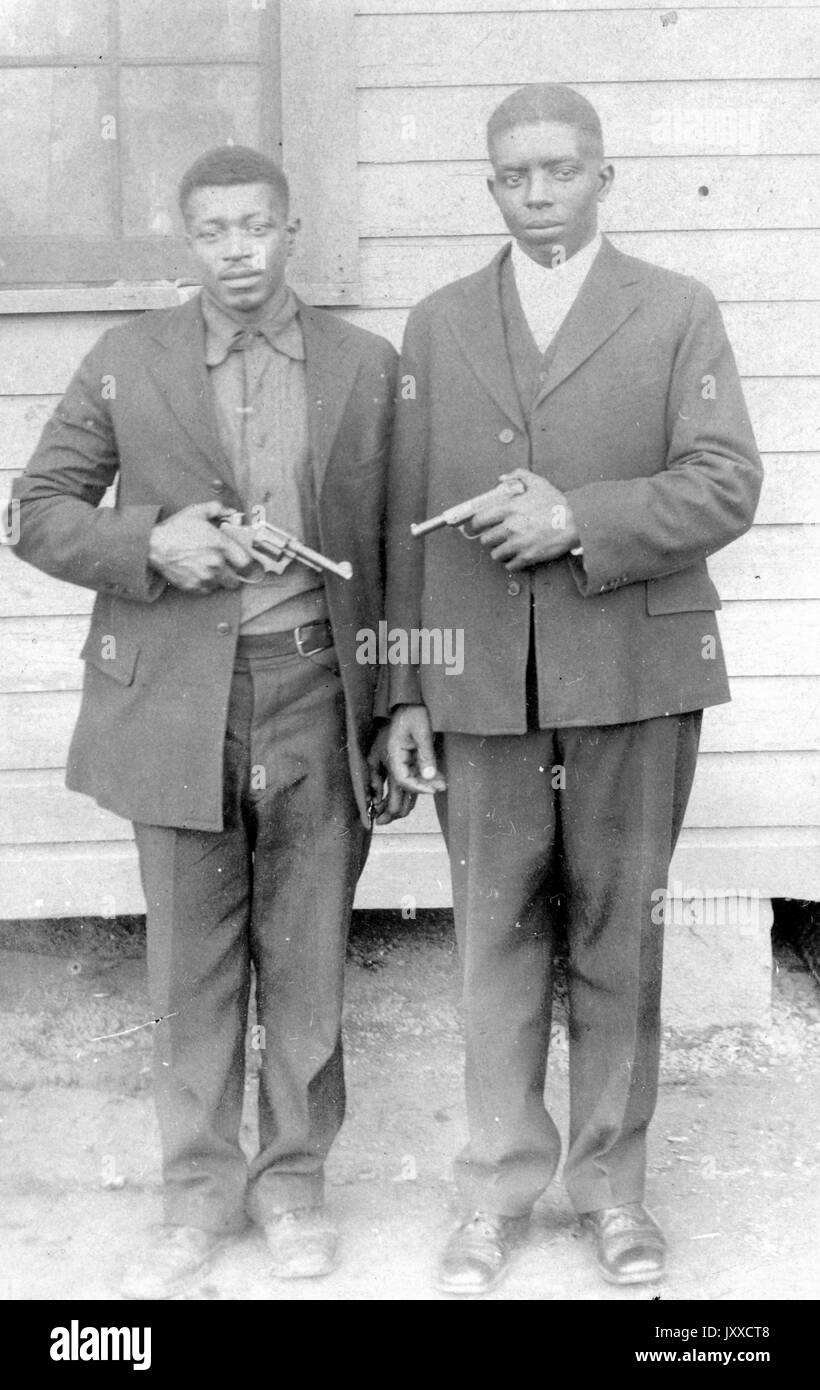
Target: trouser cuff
[(274, 1196)]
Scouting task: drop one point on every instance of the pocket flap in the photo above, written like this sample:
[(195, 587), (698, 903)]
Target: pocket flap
[(688, 591), (107, 652)]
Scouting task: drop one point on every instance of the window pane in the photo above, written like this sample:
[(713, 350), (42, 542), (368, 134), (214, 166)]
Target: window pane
[(53, 28), (55, 165), (190, 29), (170, 116)]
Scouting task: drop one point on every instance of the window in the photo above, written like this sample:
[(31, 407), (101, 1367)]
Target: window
[(104, 103)]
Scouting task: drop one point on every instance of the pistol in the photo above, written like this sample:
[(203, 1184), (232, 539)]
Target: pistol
[(273, 548), (463, 512)]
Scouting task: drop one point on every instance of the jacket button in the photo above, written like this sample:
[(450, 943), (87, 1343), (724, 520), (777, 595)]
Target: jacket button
[(513, 587), (507, 436), (223, 628), (218, 485)]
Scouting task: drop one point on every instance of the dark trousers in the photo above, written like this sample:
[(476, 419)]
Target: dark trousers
[(598, 811), (274, 888)]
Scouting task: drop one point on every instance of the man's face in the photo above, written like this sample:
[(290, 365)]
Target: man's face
[(548, 181), (241, 240)]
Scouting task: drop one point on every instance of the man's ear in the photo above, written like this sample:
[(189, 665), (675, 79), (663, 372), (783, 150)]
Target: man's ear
[(606, 178), (292, 227)]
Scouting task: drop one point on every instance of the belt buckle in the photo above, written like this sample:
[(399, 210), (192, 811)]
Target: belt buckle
[(298, 639)]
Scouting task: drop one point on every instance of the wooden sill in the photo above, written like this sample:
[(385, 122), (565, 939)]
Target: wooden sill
[(87, 299)]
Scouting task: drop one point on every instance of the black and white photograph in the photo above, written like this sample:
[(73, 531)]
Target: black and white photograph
[(409, 662)]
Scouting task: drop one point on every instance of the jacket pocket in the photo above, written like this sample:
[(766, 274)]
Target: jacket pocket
[(688, 591), (112, 655)]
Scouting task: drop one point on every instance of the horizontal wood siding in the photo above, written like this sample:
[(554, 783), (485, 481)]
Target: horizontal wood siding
[(710, 114)]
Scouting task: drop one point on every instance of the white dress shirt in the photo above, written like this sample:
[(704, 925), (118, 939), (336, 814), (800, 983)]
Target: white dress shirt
[(547, 294)]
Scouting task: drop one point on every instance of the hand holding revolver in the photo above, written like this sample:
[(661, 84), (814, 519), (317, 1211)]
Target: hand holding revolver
[(193, 555)]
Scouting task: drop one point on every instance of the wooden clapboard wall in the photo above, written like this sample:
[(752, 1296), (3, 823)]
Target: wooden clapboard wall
[(708, 115)]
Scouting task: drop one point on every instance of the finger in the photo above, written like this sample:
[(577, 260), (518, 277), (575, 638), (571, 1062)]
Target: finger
[(390, 808), (425, 755), (375, 781), (508, 550), (402, 760), (524, 474), (492, 515), (497, 536), (414, 784), (234, 553), (227, 579), (209, 510)]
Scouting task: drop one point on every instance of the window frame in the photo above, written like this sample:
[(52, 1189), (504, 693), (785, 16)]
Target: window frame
[(312, 51)]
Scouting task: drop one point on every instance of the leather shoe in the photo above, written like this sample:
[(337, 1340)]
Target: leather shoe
[(172, 1260), (477, 1255), (629, 1244), (302, 1244)]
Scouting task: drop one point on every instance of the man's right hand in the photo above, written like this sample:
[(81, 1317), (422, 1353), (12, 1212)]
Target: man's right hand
[(410, 754), (193, 554)]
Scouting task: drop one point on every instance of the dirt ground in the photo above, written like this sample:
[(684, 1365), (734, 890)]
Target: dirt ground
[(733, 1159)]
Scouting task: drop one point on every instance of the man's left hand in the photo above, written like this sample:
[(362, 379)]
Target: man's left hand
[(529, 529)]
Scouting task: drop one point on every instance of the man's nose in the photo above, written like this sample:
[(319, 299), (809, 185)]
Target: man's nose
[(539, 192), (237, 245)]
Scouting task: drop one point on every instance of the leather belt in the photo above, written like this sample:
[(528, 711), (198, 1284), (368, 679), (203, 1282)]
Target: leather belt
[(305, 640)]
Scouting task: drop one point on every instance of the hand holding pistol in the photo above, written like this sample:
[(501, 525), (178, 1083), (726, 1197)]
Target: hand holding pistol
[(463, 512)]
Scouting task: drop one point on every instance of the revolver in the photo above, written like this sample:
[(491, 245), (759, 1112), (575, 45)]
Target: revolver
[(273, 549), (463, 512)]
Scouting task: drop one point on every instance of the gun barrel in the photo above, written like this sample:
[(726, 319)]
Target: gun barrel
[(463, 511), (423, 528), (312, 558)]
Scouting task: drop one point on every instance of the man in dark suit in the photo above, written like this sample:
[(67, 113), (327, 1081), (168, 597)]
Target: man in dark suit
[(229, 719), (608, 388)]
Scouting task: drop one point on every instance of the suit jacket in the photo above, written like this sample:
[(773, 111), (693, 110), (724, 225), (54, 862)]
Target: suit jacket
[(148, 742), (640, 421)]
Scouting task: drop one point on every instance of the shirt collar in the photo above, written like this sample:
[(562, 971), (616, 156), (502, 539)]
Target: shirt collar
[(570, 272), (280, 327)]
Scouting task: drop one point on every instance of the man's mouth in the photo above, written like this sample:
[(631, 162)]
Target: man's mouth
[(241, 275)]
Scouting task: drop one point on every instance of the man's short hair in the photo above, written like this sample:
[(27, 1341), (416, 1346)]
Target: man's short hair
[(233, 164), (546, 101)]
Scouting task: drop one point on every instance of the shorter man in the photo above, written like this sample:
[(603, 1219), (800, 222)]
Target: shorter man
[(230, 720)]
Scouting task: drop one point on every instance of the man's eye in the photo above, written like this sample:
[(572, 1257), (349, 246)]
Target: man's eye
[(207, 236), (565, 173), (259, 228), (512, 180)]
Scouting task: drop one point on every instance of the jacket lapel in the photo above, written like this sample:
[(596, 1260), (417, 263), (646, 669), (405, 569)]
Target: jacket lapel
[(477, 323), (609, 295), (332, 362), (180, 372)]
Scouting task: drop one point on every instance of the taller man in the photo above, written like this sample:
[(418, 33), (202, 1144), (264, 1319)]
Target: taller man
[(608, 387), (229, 721)]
